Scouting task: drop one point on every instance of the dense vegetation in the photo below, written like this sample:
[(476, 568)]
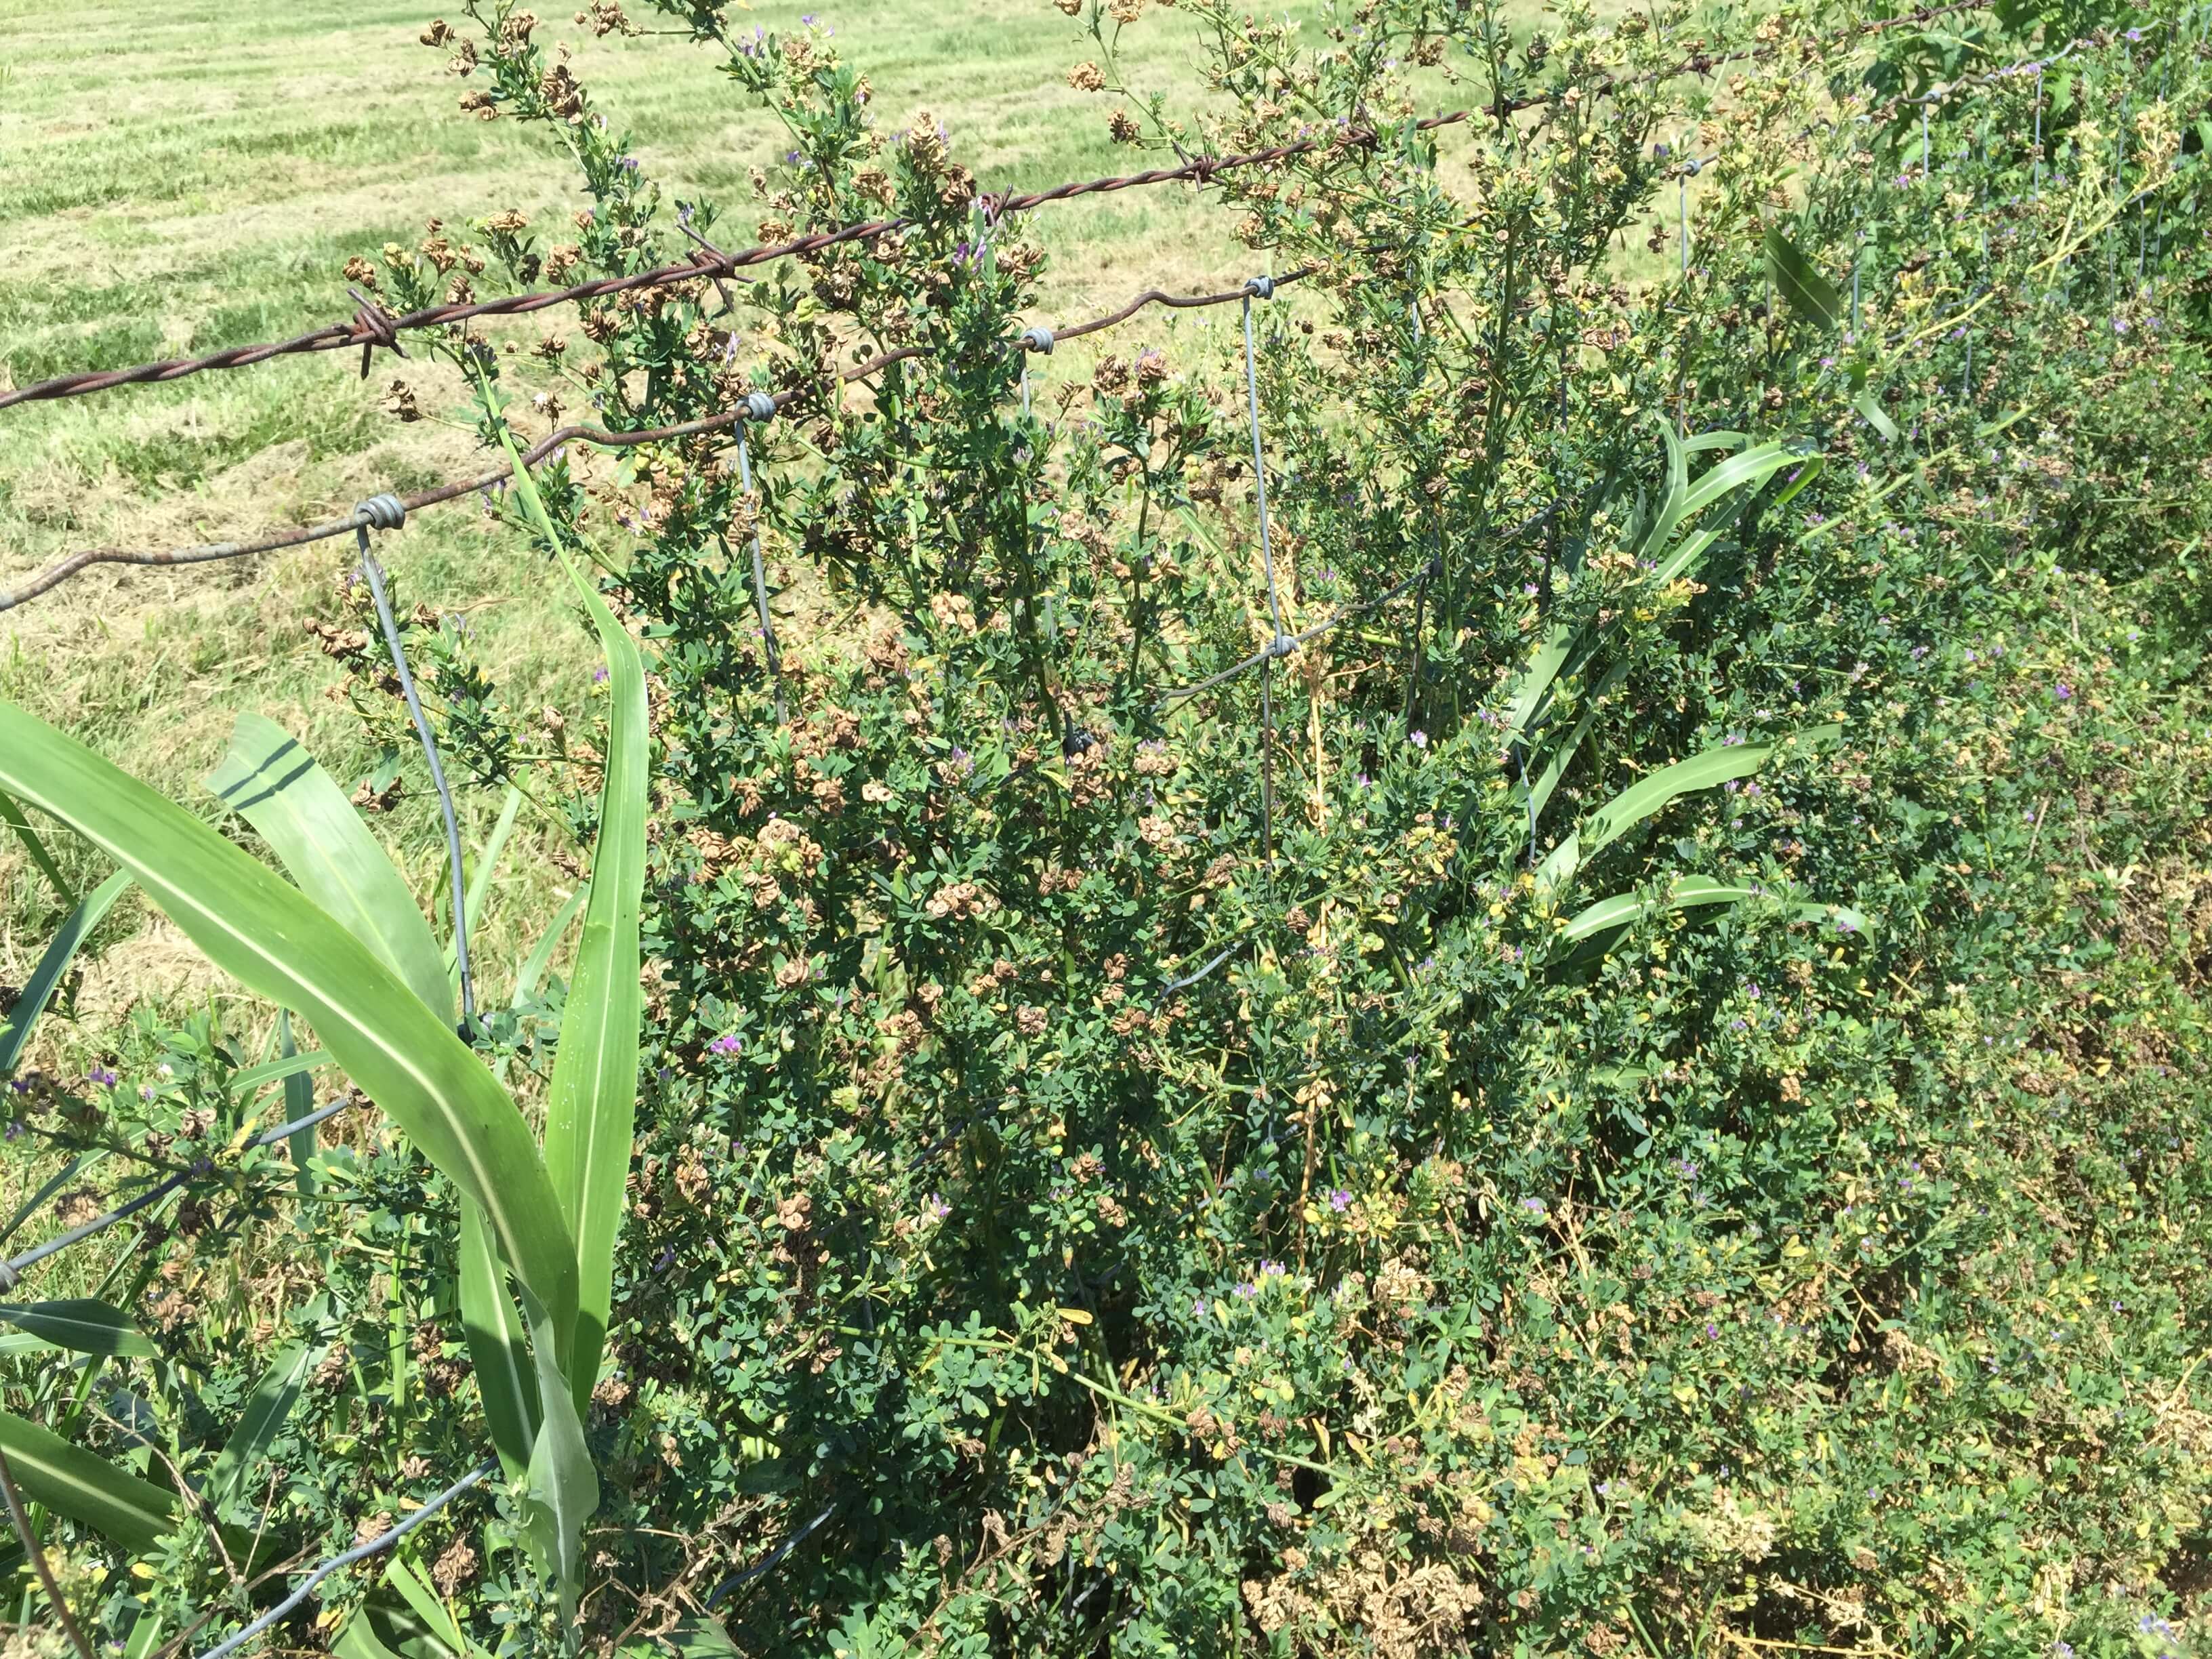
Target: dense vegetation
[(1640, 1093)]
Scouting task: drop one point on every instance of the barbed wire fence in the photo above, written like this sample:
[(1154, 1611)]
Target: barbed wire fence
[(373, 328)]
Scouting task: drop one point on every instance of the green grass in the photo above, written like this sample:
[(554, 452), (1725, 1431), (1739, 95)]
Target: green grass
[(190, 176)]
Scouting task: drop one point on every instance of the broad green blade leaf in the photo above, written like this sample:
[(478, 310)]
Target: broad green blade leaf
[(1869, 407), (1556, 871), (1806, 291), (266, 1410), (145, 1636), (263, 933), (71, 1481), (1701, 771), (289, 1066), (299, 1102), (1563, 754), (1690, 892), (590, 1108), (1716, 440), (81, 1325), (276, 785), (1749, 469), (488, 858), (541, 955), (11, 814), (562, 1490), (16, 1036), (1677, 500), (416, 1592), (498, 1347)]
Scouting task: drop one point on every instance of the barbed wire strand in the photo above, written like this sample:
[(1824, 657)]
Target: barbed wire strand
[(11, 1271), (47, 580), (372, 327), (387, 513), (376, 1545)]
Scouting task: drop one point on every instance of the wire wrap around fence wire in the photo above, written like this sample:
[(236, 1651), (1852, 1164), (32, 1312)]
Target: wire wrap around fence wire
[(372, 327)]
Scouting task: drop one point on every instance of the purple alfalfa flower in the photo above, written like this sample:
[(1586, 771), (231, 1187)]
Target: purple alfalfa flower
[(1339, 1200), (1272, 1269), (600, 675), (939, 1209), (13, 1129), (1198, 1306), (1420, 739), (1845, 925), (2062, 691), (1534, 1206), (1246, 1292), (666, 1260), (728, 1043), (102, 1076)]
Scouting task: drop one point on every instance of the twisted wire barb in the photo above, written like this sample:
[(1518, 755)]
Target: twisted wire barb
[(11, 1271), (387, 513), (372, 327), (47, 580), (376, 1545)]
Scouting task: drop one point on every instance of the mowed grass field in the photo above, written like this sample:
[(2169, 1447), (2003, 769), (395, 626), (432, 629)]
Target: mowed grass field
[(190, 176)]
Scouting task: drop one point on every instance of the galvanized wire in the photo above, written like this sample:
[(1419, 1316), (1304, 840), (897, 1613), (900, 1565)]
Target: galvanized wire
[(386, 514), (11, 1271), (554, 442), (376, 1545)]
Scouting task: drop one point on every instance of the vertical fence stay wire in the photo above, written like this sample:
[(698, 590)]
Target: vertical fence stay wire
[(759, 407), (387, 513), (376, 1545)]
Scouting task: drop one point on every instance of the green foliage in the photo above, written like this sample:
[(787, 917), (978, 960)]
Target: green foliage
[(1763, 1214)]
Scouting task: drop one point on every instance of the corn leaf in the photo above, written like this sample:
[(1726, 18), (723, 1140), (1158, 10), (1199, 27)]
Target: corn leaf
[(1806, 292), (591, 1107), (266, 1411), (264, 933), (1690, 892), (81, 1325), (1717, 765), (276, 785), (31, 1002), (498, 1347), (562, 1489), (72, 1482)]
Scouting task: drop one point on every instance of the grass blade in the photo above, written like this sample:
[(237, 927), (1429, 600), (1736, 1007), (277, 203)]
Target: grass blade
[(1806, 292), (498, 1347), (16, 1036), (80, 1324), (11, 814), (1717, 765), (72, 1482), (276, 785), (263, 933), (258, 1424), (590, 1108)]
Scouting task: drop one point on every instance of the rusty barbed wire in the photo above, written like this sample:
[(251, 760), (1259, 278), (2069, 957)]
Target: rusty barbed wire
[(748, 409), (372, 327)]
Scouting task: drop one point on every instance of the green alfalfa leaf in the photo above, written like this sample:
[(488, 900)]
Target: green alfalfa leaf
[(80, 1324), (1869, 408), (263, 933), (267, 1409), (1806, 292), (276, 785), (1704, 770), (53, 965), (499, 1347), (591, 1107), (72, 1482)]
